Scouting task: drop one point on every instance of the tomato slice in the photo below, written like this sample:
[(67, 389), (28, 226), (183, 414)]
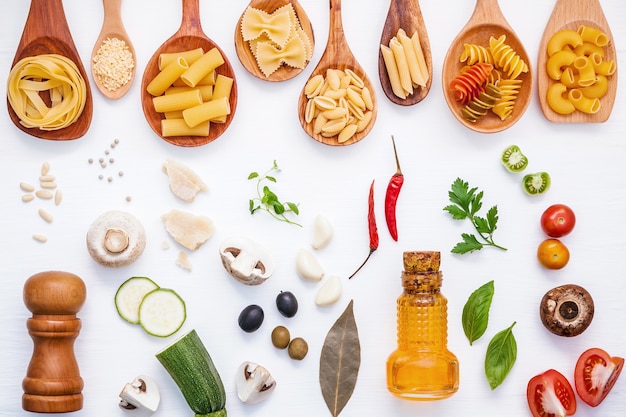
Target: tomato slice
[(595, 374), (550, 394)]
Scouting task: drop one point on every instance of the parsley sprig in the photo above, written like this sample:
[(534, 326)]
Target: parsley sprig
[(268, 201), (467, 202)]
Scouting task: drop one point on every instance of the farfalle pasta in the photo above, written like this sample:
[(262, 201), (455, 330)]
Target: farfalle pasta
[(578, 69), (276, 38)]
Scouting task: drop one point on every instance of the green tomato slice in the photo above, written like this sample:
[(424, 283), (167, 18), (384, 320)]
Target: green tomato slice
[(513, 159), (537, 183)]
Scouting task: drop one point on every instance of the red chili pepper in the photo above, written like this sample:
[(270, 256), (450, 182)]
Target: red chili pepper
[(391, 197), (371, 224)]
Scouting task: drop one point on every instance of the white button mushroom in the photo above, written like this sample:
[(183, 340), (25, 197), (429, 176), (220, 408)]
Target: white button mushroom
[(116, 238), (307, 266), (254, 383), (141, 397), (246, 261)]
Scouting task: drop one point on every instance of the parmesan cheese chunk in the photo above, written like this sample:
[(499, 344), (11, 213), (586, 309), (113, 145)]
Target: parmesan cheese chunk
[(183, 181), (188, 229)]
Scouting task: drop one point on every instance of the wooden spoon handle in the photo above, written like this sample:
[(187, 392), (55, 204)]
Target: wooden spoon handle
[(190, 24), (45, 18), (487, 11), (112, 10), (336, 35)]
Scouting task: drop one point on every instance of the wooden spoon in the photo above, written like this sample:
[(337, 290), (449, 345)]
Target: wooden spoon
[(188, 36), (112, 27), (486, 21), (571, 14), (284, 72), (337, 55), (407, 15), (46, 32)]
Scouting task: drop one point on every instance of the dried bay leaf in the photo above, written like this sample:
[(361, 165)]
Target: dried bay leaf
[(340, 361)]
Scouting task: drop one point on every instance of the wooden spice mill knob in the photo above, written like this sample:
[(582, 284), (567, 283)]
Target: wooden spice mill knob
[(53, 383)]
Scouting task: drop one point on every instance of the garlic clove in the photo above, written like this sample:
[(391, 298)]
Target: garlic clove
[(254, 383), (322, 232), (307, 266), (329, 292)]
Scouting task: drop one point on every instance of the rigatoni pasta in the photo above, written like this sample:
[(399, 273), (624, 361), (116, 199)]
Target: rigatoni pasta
[(189, 105)]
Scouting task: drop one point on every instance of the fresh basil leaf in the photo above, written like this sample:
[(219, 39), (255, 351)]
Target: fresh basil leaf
[(475, 317), (500, 357)]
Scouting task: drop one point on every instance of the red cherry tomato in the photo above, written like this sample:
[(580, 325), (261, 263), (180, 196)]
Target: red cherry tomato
[(595, 374), (553, 254), (558, 220), (550, 394)]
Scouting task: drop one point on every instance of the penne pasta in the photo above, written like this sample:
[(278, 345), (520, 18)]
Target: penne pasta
[(401, 63), (421, 60), (408, 47), (392, 71)]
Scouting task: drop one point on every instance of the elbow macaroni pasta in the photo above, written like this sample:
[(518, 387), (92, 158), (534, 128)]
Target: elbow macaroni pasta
[(579, 70)]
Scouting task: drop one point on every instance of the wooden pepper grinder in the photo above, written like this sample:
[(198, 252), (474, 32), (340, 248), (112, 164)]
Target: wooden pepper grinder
[(53, 383)]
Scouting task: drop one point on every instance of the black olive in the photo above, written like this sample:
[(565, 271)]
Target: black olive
[(251, 318), (287, 303)]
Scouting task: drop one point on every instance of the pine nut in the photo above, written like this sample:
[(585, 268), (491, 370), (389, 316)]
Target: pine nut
[(40, 238), (28, 197), (45, 215), (58, 196), (48, 184), (45, 168), (45, 194), (27, 187)]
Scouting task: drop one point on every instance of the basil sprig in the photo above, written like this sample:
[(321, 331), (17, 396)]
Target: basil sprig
[(500, 357), (475, 317)]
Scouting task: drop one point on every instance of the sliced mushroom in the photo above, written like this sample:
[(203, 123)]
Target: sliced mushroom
[(141, 397), (116, 238), (322, 232), (246, 261), (567, 310), (254, 383), (307, 266)]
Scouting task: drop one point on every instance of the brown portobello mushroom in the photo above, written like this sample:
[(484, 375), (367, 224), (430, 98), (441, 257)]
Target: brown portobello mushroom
[(566, 310)]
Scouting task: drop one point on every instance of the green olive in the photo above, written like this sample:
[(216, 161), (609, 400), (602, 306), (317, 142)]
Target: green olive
[(298, 348), (280, 337)]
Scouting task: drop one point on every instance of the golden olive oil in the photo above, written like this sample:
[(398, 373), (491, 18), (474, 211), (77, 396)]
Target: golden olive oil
[(422, 367)]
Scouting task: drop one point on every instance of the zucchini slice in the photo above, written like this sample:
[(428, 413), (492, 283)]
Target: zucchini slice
[(162, 312), (129, 296)]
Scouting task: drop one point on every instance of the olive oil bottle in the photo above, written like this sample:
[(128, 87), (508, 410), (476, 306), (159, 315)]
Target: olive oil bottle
[(422, 367)]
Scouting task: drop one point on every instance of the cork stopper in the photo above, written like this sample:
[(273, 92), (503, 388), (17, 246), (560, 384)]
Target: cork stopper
[(425, 261), (421, 270)]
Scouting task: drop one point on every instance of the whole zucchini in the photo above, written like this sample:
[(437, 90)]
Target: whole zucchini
[(190, 366)]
